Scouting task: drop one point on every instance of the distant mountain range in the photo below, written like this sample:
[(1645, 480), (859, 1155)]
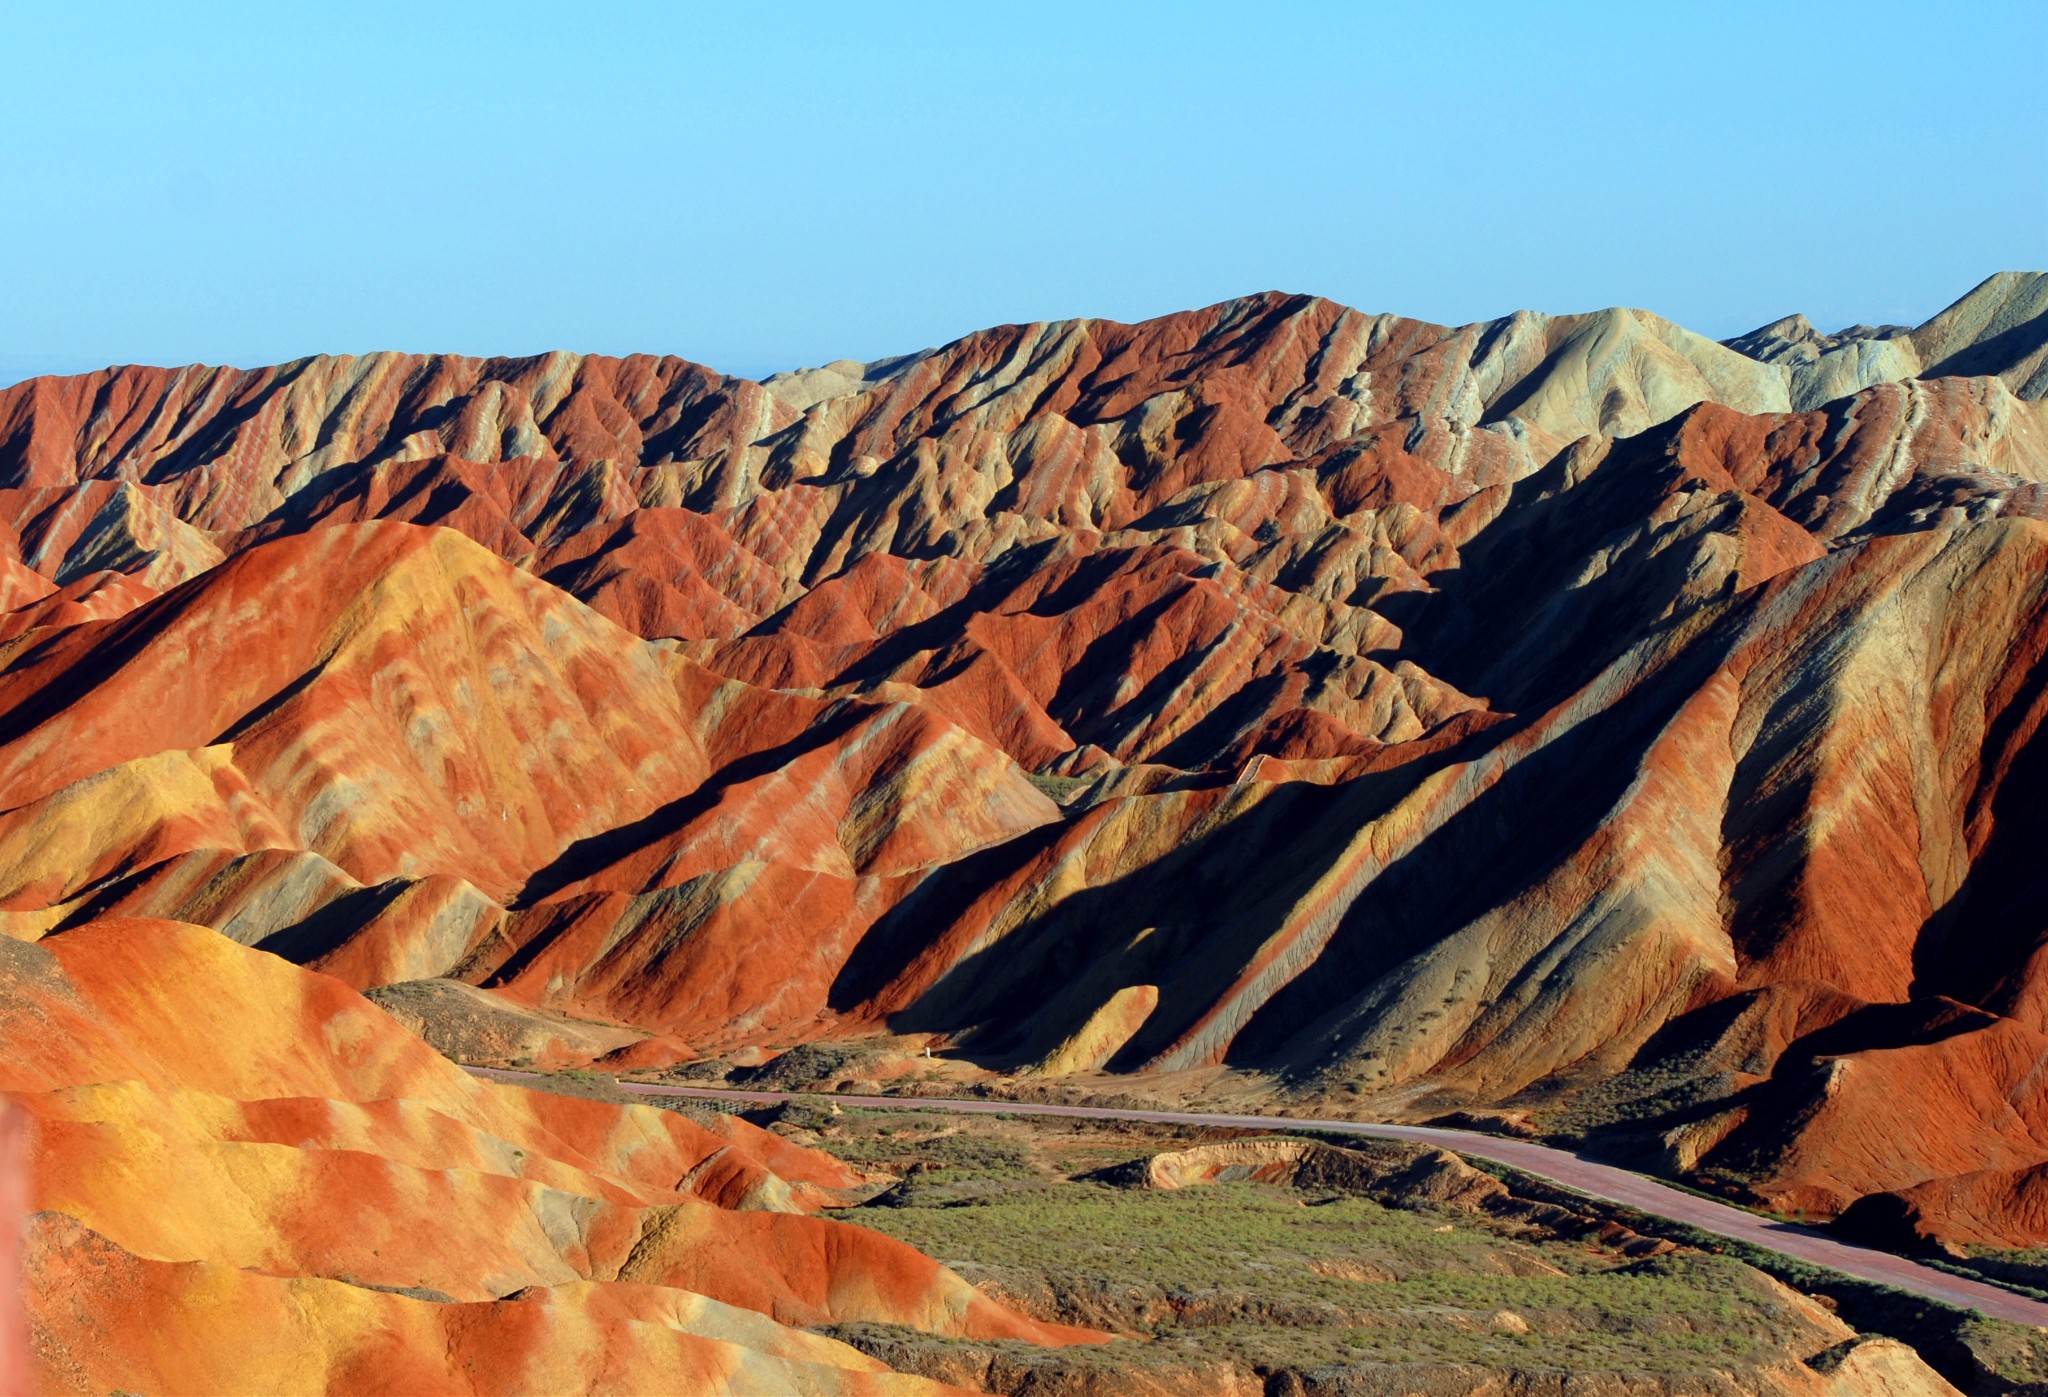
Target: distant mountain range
[(1569, 715)]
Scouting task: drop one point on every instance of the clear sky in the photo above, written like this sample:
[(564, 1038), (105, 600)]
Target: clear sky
[(762, 185)]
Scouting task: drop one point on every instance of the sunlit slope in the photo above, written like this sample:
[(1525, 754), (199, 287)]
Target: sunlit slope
[(218, 1127)]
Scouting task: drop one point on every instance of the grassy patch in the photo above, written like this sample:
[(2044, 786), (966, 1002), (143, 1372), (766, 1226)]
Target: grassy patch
[(1060, 788), (1261, 1275)]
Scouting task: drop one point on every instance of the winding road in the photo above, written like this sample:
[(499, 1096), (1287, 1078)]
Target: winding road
[(1587, 1176)]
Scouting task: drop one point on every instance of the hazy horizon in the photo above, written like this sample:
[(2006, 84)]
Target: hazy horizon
[(15, 369), (783, 188)]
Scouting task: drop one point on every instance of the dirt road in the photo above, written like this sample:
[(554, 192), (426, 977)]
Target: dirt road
[(1608, 1181)]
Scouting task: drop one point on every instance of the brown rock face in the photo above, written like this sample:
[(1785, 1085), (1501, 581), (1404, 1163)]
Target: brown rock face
[(1485, 713)]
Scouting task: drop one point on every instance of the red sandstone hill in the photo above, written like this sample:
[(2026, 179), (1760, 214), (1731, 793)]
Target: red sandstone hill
[(250, 1179), (1568, 712)]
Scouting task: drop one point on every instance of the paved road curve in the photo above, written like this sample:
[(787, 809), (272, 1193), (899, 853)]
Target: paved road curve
[(1608, 1181)]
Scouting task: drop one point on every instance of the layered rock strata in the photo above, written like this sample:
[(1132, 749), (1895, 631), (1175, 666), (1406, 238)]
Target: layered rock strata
[(1565, 712)]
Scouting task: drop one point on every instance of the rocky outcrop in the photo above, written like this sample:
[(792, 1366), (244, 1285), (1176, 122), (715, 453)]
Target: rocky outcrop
[(1879, 1367), (2000, 329), (475, 1026), (1095, 1042)]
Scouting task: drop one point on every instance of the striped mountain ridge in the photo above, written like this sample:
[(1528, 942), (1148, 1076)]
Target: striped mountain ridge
[(1559, 714)]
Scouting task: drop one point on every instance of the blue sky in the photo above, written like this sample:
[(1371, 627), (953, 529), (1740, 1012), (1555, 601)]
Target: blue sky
[(763, 185)]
